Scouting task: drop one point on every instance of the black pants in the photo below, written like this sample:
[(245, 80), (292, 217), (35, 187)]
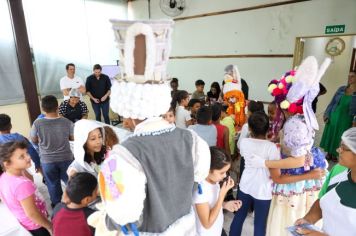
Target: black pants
[(40, 232), (101, 107)]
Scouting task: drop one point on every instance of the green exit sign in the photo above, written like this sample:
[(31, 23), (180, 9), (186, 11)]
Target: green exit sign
[(334, 29)]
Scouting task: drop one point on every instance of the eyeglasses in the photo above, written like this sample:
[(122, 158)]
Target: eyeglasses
[(343, 148)]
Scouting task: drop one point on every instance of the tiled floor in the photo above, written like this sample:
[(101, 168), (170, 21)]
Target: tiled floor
[(247, 229)]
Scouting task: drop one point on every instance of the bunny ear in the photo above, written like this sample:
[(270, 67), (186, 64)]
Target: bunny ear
[(309, 115), (307, 71), (237, 77), (323, 69), (305, 77)]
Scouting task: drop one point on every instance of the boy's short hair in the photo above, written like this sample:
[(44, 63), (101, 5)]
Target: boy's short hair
[(254, 106), (193, 101), (216, 109), (49, 103), (5, 122), (224, 108), (174, 80), (199, 82), (258, 123), (80, 186), (204, 115)]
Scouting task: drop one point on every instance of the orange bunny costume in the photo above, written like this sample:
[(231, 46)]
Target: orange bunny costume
[(233, 95)]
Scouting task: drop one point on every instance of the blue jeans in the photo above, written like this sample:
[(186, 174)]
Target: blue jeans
[(261, 213), (101, 107), (54, 173)]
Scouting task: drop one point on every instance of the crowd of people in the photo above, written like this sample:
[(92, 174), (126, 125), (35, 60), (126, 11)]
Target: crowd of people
[(172, 173)]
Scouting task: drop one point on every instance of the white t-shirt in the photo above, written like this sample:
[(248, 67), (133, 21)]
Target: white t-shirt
[(67, 82), (245, 133), (182, 115), (209, 195), (256, 181)]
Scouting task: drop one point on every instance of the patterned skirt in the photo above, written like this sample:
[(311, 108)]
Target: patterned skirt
[(292, 201)]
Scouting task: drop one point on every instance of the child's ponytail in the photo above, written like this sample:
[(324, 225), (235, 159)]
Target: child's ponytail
[(178, 97), (219, 158)]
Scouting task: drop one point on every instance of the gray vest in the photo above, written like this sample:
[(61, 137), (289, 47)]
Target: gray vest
[(168, 165)]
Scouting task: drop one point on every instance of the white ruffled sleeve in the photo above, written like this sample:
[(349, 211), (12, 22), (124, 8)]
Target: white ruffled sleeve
[(201, 158), (122, 184)]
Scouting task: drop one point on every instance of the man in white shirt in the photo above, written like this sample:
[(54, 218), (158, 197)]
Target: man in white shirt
[(71, 81)]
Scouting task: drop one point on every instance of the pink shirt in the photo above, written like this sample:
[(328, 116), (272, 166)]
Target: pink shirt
[(15, 189)]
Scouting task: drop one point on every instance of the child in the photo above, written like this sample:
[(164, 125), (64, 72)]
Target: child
[(18, 192), (71, 219), (194, 105), (253, 106), (204, 128), (170, 116), (229, 122), (89, 150), (183, 119), (111, 138), (7, 136), (276, 120), (53, 134), (199, 92), (222, 139), (174, 86), (210, 203), (256, 183), (214, 93)]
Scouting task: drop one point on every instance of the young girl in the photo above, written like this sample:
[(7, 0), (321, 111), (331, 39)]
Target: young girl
[(89, 149), (170, 116), (256, 183), (111, 138), (183, 119), (276, 120), (214, 93), (229, 122), (209, 203), (294, 94), (18, 192)]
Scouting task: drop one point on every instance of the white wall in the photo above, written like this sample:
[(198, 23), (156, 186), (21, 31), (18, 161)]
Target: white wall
[(264, 31)]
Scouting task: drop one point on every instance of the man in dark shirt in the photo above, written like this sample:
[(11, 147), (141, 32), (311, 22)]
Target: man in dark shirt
[(98, 87)]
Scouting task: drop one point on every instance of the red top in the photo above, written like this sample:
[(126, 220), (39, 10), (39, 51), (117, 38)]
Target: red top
[(220, 138), (71, 221)]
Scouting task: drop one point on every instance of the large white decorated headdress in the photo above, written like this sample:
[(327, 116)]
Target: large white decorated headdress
[(306, 86), (142, 90)]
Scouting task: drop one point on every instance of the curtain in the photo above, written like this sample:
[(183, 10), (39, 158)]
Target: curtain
[(11, 90), (70, 31)]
